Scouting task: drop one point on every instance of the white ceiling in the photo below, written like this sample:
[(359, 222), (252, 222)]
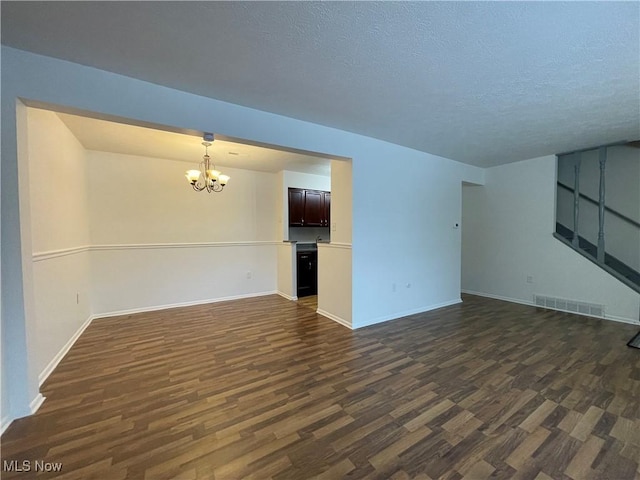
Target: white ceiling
[(480, 82), (106, 136)]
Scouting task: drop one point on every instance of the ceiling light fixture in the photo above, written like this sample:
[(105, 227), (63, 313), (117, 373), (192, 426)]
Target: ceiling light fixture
[(207, 178)]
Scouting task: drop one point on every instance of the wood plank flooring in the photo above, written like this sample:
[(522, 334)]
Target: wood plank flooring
[(265, 388), (310, 301)]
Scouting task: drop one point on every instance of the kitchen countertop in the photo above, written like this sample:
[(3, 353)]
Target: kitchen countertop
[(306, 247), (306, 243), (303, 246)]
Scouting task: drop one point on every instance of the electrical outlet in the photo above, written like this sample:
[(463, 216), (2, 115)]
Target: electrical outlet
[(529, 279), (333, 226), (249, 275)]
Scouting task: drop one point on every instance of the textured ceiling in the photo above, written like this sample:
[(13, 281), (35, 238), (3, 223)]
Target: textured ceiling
[(480, 82), (106, 136)]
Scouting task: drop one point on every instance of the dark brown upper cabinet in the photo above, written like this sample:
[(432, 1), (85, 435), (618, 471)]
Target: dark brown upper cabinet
[(327, 208), (313, 208), (296, 207), (309, 208)]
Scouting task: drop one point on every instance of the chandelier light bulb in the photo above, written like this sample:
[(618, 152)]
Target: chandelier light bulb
[(192, 176)]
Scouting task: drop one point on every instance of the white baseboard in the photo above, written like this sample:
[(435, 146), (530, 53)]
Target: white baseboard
[(499, 297), (335, 318), (63, 351), (167, 306), (288, 297), (613, 318), (36, 403), (407, 313), (616, 318), (4, 423)]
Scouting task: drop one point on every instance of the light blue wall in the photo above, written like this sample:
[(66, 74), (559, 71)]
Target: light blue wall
[(19, 383), (404, 202), (404, 234)]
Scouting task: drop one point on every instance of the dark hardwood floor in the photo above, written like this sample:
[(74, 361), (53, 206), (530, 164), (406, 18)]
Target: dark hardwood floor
[(265, 388), (310, 301)]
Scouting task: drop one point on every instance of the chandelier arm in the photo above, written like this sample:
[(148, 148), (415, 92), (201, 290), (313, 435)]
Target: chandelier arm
[(201, 186)]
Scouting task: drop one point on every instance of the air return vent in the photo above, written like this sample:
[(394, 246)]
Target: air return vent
[(573, 306)]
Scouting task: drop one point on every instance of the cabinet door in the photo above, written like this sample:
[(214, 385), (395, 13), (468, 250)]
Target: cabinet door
[(313, 211), (296, 207), (327, 209)]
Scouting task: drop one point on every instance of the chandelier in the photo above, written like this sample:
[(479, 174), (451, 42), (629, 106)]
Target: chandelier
[(207, 178)]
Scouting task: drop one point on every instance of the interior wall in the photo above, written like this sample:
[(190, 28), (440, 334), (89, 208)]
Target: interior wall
[(335, 280), (143, 278), (287, 270), (156, 242), (60, 235), (418, 246), (341, 201), (406, 248), (58, 177), (307, 180), (141, 200), (19, 376), (5, 406), (507, 237), (335, 283)]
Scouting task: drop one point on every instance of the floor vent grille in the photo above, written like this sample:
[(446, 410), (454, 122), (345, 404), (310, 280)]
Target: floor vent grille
[(582, 308)]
